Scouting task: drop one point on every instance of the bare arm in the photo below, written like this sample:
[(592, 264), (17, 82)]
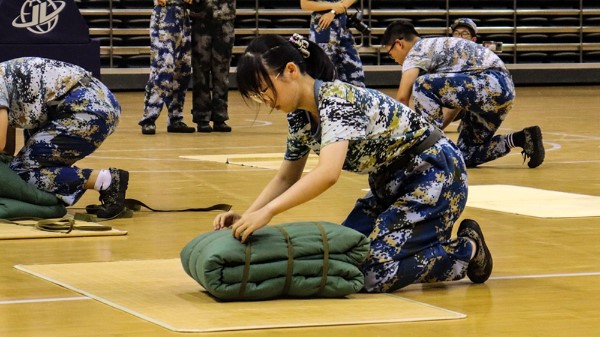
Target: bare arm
[(289, 172), (287, 175), (318, 6), (322, 177), (449, 116), (406, 83), (5, 141)]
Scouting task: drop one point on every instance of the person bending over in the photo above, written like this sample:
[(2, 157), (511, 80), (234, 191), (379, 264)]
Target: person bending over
[(417, 177), (66, 114), (446, 75)]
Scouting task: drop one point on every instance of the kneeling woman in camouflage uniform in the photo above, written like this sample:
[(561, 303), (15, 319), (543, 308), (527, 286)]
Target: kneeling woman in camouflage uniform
[(66, 114), (417, 176)]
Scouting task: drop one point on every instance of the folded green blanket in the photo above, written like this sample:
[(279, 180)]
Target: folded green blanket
[(21, 199), (303, 259)]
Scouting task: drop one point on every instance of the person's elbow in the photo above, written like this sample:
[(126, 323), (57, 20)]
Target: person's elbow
[(331, 179), (402, 98)]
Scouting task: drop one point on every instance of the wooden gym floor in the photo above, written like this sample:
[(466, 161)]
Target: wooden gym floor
[(546, 279)]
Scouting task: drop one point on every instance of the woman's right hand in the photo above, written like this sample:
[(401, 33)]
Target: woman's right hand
[(225, 220)]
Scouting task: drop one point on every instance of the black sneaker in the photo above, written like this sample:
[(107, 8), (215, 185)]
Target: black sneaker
[(533, 148), (113, 198), (204, 127), (221, 127), (148, 129), (480, 267), (180, 127)]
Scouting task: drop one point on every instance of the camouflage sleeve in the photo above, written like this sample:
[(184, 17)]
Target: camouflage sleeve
[(298, 135)]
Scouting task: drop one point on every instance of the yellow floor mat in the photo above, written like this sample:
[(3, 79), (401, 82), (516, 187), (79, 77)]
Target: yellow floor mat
[(533, 201), (159, 291), (260, 160), (28, 231)]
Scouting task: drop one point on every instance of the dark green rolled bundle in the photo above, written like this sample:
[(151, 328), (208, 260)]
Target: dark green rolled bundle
[(21, 199), (302, 259)]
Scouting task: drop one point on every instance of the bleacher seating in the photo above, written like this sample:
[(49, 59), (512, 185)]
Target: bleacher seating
[(532, 31)]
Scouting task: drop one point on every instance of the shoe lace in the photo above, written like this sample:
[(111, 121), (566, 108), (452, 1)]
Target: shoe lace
[(525, 156)]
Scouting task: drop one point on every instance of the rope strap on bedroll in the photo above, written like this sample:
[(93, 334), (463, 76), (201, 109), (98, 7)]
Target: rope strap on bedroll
[(290, 262), (136, 205), (325, 257)]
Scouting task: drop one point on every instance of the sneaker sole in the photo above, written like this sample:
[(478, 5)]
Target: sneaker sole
[(539, 144), (473, 225), (190, 130)]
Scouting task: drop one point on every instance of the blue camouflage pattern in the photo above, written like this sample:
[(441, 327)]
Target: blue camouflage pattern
[(338, 43), (409, 213), (461, 73), (64, 119), (170, 62)]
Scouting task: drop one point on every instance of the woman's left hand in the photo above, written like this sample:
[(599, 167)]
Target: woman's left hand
[(250, 222), (326, 20)]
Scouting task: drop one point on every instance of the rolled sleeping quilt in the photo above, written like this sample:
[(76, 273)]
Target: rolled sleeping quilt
[(21, 199), (301, 259)]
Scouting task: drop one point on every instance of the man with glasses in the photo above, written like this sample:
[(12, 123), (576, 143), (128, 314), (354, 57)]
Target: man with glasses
[(446, 75), (465, 28)]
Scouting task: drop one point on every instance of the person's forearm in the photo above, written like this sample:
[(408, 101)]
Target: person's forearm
[(10, 143), (317, 181), (318, 6), (4, 130), (448, 116), (288, 174), (307, 188), (273, 189)]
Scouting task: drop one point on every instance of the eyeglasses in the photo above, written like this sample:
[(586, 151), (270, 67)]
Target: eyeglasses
[(391, 47), (465, 33), (261, 97)]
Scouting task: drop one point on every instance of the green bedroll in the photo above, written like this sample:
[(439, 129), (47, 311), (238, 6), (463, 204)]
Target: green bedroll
[(302, 259), (20, 199)]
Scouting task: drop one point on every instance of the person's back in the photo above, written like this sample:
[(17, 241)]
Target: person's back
[(67, 114), (452, 55), (450, 75)]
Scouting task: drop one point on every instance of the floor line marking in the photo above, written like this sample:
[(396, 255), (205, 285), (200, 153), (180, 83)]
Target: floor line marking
[(544, 276), (39, 300), (514, 277)]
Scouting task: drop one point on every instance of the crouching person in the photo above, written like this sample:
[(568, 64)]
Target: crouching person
[(66, 114)]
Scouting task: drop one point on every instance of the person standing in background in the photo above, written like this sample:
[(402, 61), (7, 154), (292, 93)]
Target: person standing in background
[(328, 28), (464, 28), (170, 66), (212, 40)]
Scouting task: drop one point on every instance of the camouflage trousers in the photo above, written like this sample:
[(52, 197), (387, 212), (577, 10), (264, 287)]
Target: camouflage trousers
[(77, 126), (170, 63), (211, 58), (408, 216), (486, 98), (338, 43)]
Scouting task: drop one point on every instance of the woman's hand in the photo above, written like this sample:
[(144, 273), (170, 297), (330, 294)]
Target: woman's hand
[(342, 6), (251, 222), (326, 20), (225, 220), (347, 3)]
